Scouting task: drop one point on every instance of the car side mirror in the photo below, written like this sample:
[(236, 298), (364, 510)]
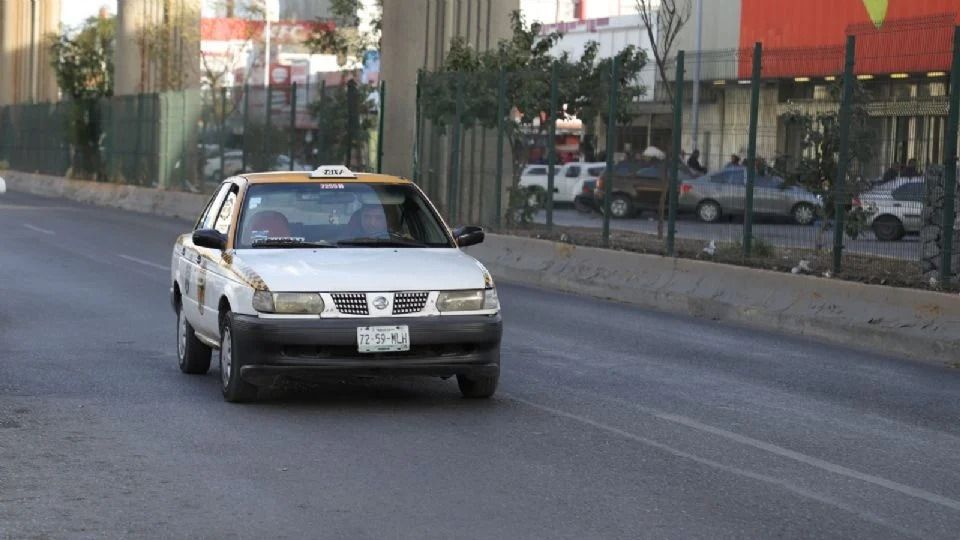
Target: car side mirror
[(209, 238), (468, 236)]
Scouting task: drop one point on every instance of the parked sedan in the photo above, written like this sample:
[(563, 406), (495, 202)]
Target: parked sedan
[(724, 192), (895, 208)]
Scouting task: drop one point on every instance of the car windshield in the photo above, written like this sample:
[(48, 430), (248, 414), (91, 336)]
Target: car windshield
[(327, 214)]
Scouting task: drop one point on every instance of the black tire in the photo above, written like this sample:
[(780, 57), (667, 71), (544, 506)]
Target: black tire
[(480, 387), (709, 211), (235, 389), (804, 213), (582, 206), (621, 206), (888, 229), (193, 356)]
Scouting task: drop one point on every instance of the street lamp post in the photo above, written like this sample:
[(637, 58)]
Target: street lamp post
[(271, 14)]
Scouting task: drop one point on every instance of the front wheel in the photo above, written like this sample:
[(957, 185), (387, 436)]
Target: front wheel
[(478, 387), (235, 389), (193, 356)]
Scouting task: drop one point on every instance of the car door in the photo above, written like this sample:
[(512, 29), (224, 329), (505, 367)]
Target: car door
[(191, 257), (211, 277), (769, 197), (908, 204), (568, 183), (734, 198)]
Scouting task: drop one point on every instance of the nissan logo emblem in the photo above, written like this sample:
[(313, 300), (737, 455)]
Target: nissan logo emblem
[(380, 302)]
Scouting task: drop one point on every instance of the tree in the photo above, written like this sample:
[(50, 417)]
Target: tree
[(471, 76), (345, 38), (83, 63), (335, 113), (816, 168), (663, 20)]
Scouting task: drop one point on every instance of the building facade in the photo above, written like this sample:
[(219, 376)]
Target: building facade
[(25, 72)]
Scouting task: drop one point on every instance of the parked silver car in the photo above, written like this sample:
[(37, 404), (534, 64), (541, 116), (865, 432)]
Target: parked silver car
[(724, 192), (895, 207)]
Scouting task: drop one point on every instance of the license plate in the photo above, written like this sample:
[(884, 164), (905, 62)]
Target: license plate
[(375, 339)]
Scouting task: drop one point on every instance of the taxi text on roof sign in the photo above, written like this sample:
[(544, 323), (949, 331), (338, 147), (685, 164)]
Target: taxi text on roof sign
[(332, 171)]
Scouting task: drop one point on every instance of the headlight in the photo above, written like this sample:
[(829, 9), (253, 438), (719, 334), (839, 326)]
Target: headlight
[(472, 300), (292, 303)]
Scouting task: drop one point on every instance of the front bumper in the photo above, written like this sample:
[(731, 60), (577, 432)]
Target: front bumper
[(317, 348)]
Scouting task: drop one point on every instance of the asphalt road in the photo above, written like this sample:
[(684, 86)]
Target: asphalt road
[(775, 231), (612, 421)]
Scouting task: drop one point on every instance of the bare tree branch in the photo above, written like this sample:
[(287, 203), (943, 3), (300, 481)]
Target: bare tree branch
[(663, 25)]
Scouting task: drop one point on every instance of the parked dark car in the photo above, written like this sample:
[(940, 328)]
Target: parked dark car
[(637, 186)]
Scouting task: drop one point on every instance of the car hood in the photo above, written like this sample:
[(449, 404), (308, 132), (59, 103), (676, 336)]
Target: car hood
[(363, 269)]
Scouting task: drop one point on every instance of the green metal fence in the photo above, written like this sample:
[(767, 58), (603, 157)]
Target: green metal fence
[(192, 140), (847, 172)]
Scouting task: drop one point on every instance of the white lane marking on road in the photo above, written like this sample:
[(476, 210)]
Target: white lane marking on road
[(812, 461), (143, 262), (38, 229), (803, 492)]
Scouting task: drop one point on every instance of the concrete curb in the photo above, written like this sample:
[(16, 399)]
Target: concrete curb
[(921, 325), (146, 200), (916, 324)]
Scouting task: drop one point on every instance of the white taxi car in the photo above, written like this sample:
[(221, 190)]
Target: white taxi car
[(330, 273)]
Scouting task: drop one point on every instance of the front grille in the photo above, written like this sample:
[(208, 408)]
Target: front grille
[(409, 302), (351, 303)]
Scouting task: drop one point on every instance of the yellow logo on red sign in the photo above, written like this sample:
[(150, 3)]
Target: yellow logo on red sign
[(877, 9)]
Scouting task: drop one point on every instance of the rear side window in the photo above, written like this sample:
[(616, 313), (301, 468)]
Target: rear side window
[(596, 171), (573, 172), (624, 168), (912, 192)]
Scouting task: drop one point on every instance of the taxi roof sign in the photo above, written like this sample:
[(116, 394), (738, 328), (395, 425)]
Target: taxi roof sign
[(332, 171)]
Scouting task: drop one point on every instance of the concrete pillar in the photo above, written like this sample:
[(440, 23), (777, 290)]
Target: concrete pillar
[(153, 56), (25, 72), (416, 35)]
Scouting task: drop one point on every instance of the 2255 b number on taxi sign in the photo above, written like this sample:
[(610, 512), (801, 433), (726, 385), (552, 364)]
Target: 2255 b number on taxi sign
[(375, 339)]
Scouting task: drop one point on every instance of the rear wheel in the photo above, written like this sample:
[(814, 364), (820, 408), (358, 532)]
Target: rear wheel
[(235, 389), (804, 214), (478, 387), (888, 229), (193, 356), (621, 206), (708, 211)]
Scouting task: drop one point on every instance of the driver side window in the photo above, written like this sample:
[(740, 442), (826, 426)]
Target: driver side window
[(206, 220), (222, 224)]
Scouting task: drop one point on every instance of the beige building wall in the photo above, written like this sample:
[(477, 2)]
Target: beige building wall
[(416, 35), (25, 72), (158, 46)]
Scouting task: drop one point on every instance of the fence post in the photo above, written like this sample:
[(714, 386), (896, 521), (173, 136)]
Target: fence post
[(611, 146), (501, 126), (246, 113), (752, 149), (223, 124), (843, 158), (418, 128), (321, 140), (950, 166), (293, 122), (265, 138), (383, 100), (552, 142), (675, 155), (183, 140), (351, 114), (453, 188)]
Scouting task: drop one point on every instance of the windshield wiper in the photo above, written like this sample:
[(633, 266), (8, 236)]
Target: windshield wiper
[(289, 243), (393, 241)]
